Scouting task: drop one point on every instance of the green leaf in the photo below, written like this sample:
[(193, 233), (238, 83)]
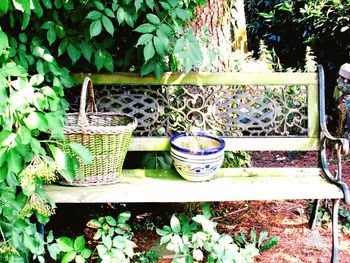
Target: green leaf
[(108, 63), (99, 5), (145, 28), (123, 217), (47, 4), (138, 4), (73, 52), (13, 70), (165, 239), (101, 250), (159, 45), (94, 15), (54, 250), (144, 39), (25, 20), (30, 243), (59, 157), (109, 12), (165, 5), (188, 62), (158, 70), (65, 244), (206, 210), (81, 151), (120, 15), (23, 37), (272, 242), (55, 122), (37, 8), (107, 241), (3, 155), (79, 244), (108, 25), (86, 49), (4, 6), (150, 3), (35, 145), (36, 79), (182, 14), (148, 51), (48, 25), (22, 5), (153, 19), (63, 46), (147, 68), (175, 224), (69, 257), (129, 19), (50, 237), (95, 28), (79, 259), (86, 253), (36, 120), (20, 84), (14, 161), (179, 45), (4, 42), (3, 93), (111, 221), (51, 36), (262, 238), (3, 173), (24, 134), (99, 59)]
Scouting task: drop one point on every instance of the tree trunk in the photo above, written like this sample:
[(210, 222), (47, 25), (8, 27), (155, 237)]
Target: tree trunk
[(217, 16)]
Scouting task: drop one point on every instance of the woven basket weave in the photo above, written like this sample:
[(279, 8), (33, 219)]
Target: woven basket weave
[(105, 135)]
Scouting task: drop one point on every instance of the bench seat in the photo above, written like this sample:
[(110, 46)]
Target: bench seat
[(230, 184)]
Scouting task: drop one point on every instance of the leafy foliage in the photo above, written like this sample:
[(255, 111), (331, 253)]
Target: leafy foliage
[(40, 41), (290, 26), (113, 237), (197, 238), (141, 35), (190, 239)]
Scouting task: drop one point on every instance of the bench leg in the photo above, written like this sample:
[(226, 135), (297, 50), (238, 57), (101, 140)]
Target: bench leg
[(313, 216), (335, 236)]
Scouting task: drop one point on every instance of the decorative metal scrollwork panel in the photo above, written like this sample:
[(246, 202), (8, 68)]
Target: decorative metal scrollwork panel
[(226, 110)]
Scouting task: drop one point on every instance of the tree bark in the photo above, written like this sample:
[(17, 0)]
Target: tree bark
[(217, 16)]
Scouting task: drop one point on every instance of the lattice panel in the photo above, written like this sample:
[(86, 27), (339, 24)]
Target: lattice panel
[(228, 110)]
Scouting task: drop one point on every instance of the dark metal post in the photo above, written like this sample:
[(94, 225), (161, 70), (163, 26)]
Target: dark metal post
[(313, 217), (335, 235)]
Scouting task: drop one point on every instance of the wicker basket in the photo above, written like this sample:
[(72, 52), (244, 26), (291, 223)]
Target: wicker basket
[(106, 135)]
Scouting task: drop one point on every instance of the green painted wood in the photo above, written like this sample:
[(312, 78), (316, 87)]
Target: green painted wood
[(168, 186), (313, 112), (202, 78), (235, 144)]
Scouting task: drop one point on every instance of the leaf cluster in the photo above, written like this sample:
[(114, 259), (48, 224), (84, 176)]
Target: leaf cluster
[(197, 239), (143, 35), (290, 26)]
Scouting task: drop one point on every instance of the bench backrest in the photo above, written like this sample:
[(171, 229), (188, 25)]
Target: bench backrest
[(252, 111)]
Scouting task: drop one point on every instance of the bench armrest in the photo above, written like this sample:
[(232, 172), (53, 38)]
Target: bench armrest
[(340, 145)]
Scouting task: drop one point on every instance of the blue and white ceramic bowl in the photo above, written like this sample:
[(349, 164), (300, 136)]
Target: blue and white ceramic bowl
[(197, 157)]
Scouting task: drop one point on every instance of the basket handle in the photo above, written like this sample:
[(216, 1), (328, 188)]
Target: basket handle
[(91, 106)]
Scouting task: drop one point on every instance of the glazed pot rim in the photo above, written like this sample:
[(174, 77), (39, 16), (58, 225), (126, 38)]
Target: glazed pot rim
[(197, 152)]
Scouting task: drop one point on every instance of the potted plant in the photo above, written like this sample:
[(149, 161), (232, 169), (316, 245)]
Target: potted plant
[(197, 156)]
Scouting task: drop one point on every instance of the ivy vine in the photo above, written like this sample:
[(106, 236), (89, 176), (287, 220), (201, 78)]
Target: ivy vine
[(41, 41)]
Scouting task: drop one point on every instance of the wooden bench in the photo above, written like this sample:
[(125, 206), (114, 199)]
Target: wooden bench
[(252, 111)]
